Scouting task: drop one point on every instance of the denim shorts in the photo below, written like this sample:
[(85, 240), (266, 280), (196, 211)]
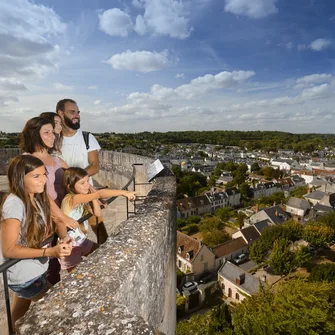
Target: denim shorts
[(31, 288)]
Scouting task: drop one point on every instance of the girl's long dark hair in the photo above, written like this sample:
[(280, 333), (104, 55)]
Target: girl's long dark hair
[(58, 137), (36, 229)]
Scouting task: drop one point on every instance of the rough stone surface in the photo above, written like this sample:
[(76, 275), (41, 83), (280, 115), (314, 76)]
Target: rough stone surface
[(128, 285)]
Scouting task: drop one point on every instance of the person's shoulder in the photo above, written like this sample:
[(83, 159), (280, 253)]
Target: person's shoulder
[(12, 198), (94, 144), (12, 204)]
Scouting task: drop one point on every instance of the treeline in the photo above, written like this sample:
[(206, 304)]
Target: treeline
[(265, 140), (261, 140)]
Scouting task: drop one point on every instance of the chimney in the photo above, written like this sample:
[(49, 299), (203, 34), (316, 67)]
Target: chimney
[(257, 208), (274, 203), (276, 212), (240, 279)]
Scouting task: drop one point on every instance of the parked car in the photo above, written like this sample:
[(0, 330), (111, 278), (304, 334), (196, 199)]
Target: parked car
[(205, 279), (190, 286), (240, 258)]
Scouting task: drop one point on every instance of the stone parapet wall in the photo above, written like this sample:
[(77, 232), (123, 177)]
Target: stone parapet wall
[(128, 285), (6, 154), (116, 168)]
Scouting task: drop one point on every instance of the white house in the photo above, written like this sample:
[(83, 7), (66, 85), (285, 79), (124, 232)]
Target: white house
[(297, 206), (283, 164), (193, 257), (236, 283)]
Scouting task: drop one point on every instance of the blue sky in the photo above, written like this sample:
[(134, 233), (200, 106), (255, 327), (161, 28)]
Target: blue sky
[(160, 65)]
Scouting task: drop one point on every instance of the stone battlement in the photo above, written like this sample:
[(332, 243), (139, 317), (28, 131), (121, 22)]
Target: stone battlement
[(128, 285)]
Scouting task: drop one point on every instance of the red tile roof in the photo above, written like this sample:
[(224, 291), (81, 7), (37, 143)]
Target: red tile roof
[(188, 244), (229, 247)]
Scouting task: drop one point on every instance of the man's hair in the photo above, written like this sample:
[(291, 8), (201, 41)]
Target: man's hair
[(61, 104), (31, 140)]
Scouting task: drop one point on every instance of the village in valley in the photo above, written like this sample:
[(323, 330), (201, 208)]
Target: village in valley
[(262, 220)]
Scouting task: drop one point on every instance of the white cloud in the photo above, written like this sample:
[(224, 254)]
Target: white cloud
[(97, 102), (180, 75), (167, 17), (29, 21), (61, 87), (318, 92), (92, 87), (211, 82), (320, 44), (140, 26), (197, 87), (254, 9), (27, 51), (310, 80), (159, 17), (115, 22), (141, 61)]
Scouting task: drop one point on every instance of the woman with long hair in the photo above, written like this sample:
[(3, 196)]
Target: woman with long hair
[(37, 139), (56, 121), (25, 222)]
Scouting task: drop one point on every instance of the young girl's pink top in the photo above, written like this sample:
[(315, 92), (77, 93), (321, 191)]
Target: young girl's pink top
[(55, 180)]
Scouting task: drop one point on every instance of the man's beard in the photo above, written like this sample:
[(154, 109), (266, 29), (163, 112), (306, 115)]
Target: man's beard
[(68, 123)]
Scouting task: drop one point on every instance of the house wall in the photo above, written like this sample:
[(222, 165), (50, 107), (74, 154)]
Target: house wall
[(230, 256), (226, 284), (308, 179), (184, 265), (234, 200), (295, 211), (204, 256)]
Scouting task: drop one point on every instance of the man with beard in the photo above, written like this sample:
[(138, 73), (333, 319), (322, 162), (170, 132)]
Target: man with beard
[(76, 154), (74, 150)]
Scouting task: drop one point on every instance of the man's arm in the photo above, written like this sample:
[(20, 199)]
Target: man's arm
[(93, 160)]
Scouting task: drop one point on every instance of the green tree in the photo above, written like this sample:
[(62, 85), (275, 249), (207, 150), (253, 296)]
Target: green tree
[(225, 213), (255, 167), (217, 321), (323, 272), (211, 223), (258, 251), (180, 302), (239, 178), (301, 257), (215, 237), (193, 219), (299, 192), (281, 259), (245, 191), (317, 234), (295, 307)]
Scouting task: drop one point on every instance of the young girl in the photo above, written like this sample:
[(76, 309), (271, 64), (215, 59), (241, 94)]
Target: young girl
[(25, 223), (76, 204), (56, 121)]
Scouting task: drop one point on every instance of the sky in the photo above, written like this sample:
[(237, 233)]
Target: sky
[(170, 65)]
